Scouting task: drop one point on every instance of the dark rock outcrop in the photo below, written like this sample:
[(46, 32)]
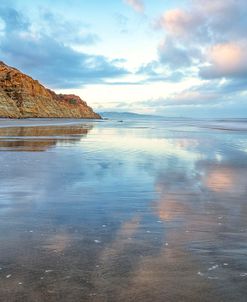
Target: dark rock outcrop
[(23, 97)]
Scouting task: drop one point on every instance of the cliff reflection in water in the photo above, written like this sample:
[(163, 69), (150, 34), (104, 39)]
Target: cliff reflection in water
[(138, 211), (40, 138)]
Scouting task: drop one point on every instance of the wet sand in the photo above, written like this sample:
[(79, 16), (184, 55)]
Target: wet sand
[(35, 122), (132, 211)]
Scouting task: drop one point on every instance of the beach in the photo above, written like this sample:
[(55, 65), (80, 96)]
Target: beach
[(137, 210)]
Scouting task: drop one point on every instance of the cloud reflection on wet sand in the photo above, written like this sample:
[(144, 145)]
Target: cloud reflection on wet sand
[(106, 220)]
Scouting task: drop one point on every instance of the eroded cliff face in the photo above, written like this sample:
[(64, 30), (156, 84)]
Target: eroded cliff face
[(23, 97)]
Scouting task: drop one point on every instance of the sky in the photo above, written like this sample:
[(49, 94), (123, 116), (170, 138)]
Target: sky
[(165, 57)]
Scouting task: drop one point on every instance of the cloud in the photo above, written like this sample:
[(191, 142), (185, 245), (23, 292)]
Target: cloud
[(183, 99), (226, 60), (179, 22), (224, 20), (208, 35), (13, 20), (69, 32), (156, 72), (58, 65), (215, 98), (206, 20), (184, 30), (48, 54), (173, 54), (137, 5)]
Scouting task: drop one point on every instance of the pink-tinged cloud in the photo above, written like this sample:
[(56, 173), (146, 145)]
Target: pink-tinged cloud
[(179, 22), (226, 60), (201, 35), (137, 5)]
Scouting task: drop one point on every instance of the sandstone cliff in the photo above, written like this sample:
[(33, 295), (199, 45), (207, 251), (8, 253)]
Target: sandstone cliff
[(23, 97)]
